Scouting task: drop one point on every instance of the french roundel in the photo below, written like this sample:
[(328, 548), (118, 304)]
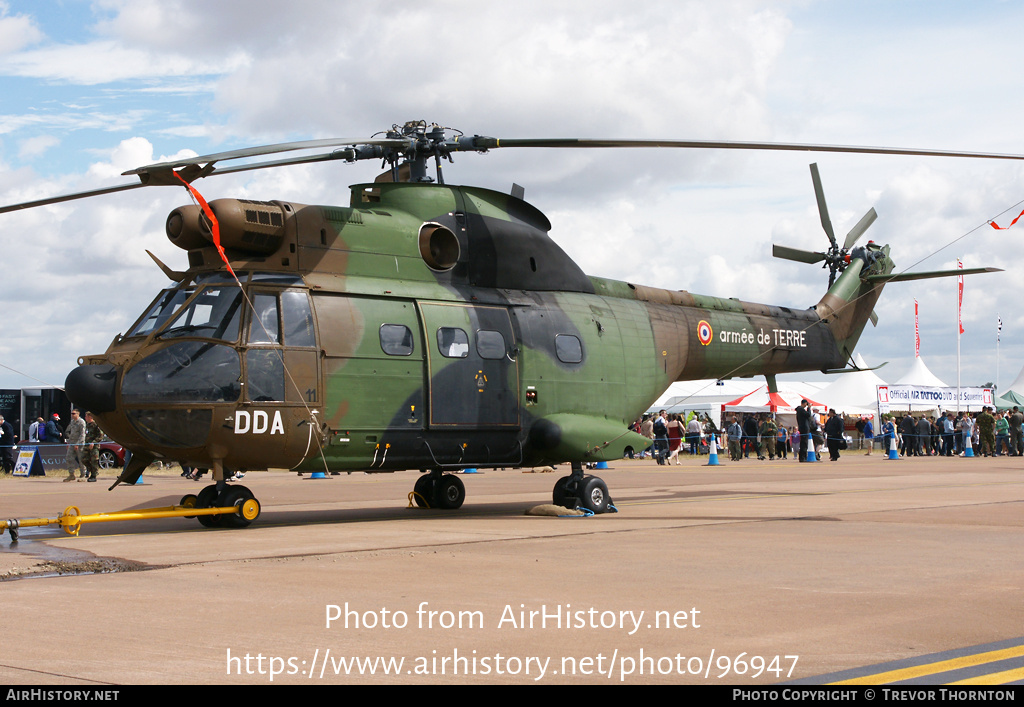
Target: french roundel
[(704, 332)]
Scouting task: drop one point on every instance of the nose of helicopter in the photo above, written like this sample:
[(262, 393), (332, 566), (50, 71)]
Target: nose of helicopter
[(93, 387)]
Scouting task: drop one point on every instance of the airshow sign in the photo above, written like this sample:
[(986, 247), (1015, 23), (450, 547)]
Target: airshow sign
[(903, 397)]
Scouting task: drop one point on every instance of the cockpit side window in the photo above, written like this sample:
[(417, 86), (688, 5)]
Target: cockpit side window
[(292, 309), (298, 319), (263, 328)]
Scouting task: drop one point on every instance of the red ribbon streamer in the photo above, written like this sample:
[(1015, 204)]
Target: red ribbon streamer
[(1003, 228), (213, 220)]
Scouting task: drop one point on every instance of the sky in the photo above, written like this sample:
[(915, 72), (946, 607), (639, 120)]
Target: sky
[(91, 89)]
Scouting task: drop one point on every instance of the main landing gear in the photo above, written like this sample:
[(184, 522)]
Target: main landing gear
[(435, 489), (585, 491)]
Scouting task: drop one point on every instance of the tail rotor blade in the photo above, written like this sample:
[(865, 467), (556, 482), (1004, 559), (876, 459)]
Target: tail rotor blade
[(857, 231), (819, 193), (801, 256)]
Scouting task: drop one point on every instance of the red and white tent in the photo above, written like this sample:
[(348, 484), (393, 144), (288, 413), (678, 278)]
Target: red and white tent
[(760, 400)]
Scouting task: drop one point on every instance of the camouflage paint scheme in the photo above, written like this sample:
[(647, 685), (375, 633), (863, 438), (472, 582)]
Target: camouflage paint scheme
[(578, 359)]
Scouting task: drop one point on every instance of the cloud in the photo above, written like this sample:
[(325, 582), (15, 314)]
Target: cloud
[(36, 146), (106, 61), (16, 31)]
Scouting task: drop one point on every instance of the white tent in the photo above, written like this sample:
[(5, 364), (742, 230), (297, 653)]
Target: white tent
[(708, 396), (1013, 395), (920, 375), (853, 392), (701, 395)]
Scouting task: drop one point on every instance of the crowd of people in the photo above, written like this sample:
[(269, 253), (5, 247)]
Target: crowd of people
[(986, 433), (82, 437)]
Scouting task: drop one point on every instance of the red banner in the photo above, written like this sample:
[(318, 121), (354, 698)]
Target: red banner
[(917, 333)]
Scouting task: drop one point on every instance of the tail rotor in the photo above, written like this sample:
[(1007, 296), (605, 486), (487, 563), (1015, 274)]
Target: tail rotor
[(836, 258)]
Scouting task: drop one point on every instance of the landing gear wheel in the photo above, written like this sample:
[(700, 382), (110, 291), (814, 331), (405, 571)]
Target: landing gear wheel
[(248, 508), (189, 500), (449, 492), (207, 499), (593, 494), (424, 491), (561, 495)]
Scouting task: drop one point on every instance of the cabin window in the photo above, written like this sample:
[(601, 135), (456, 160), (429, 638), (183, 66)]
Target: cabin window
[(452, 342), (490, 344), (264, 374), (396, 340), (568, 348)]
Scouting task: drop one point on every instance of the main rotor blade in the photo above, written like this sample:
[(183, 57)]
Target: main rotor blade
[(265, 150), (857, 231), (486, 143), (801, 256), (819, 194), (68, 197), (908, 276)]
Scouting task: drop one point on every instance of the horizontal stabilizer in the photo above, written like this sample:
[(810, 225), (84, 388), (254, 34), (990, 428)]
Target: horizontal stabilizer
[(907, 276)]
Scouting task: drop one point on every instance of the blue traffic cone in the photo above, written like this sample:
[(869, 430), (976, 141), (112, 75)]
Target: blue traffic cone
[(601, 465), (712, 453), (968, 449), (893, 451), (811, 456), (318, 475)]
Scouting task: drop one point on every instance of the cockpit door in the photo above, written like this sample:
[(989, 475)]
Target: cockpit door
[(281, 357)]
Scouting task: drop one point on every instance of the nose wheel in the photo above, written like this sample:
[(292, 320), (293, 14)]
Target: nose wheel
[(246, 508)]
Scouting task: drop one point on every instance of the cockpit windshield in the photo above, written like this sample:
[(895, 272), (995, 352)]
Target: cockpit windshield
[(214, 313), (163, 309)]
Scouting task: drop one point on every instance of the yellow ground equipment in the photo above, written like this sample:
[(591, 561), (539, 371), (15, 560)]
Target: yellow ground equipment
[(241, 508)]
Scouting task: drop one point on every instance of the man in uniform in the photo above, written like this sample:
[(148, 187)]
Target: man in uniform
[(1016, 433), (987, 432), (75, 434), (93, 437), (769, 432)]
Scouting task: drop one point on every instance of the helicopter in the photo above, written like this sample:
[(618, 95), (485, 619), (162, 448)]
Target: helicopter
[(430, 326)]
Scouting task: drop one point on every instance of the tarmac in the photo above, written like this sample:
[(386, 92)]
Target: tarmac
[(745, 573)]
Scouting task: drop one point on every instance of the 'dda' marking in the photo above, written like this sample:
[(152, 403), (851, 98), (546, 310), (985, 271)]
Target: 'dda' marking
[(259, 422)]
